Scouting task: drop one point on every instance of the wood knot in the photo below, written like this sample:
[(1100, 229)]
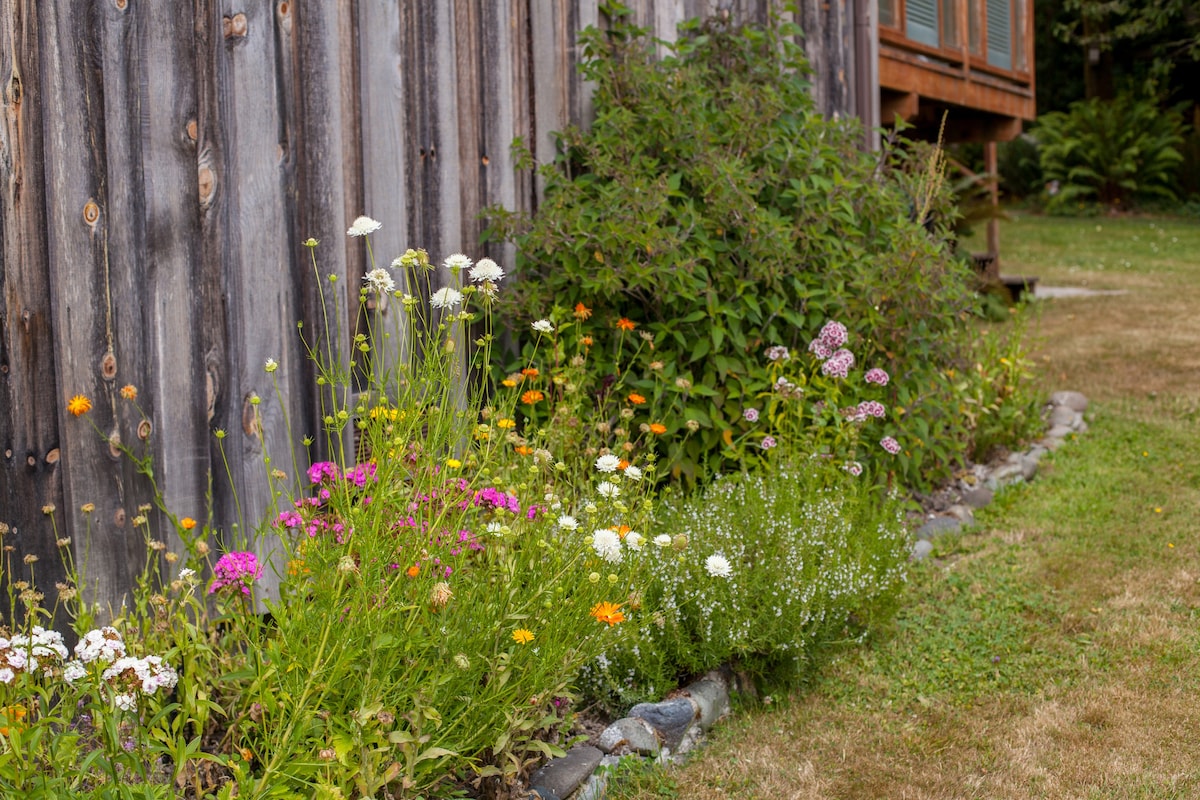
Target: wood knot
[(191, 130), (121, 4), (91, 212), (234, 27), (119, 518), (114, 444), (285, 8), (52, 456), (207, 184), (108, 366), (250, 422), (143, 429)]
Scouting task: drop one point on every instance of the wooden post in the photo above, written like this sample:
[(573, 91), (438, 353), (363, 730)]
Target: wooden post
[(993, 226)]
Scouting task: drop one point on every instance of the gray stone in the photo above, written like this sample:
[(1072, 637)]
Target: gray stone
[(542, 793), (1029, 467), (634, 734), (561, 776), (1063, 415), (978, 497), (1037, 452), (1059, 432), (922, 549), (1006, 473), (671, 718), (939, 526), (1051, 444), (1081, 427), (693, 737), (1072, 400), (595, 788), (962, 513), (711, 698)]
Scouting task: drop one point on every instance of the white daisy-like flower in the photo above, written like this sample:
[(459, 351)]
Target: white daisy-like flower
[(718, 566), (457, 261), (607, 545), (486, 270), (607, 463), (609, 490), (380, 281), (568, 523), (362, 226), (662, 540), (445, 298), (633, 473), (495, 528), (543, 326), (633, 540), (186, 573)]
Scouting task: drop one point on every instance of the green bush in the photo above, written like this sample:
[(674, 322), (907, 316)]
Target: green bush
[(710, 204), (1111, 152), (775, 563)]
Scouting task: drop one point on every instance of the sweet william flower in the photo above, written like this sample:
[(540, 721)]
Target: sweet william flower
[(890, 444), (876, 375)]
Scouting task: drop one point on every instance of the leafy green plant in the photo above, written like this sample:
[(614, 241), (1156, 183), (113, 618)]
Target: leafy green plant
[(711, 205), (1110, 152)]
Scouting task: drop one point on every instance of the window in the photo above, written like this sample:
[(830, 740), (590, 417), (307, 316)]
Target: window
[(921, 24), (999, 33)]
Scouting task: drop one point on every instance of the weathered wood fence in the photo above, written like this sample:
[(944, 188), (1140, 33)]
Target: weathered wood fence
[(161, 164)]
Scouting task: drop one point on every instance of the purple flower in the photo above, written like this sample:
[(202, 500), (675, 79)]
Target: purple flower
[(238, 569), (321, 471), (750, 415), (890, 444), (768, 442), (361, 474), (876, 375)]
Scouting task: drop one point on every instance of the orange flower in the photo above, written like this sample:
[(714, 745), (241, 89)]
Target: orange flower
[(621, 530), (129, 391), (530, 372), (524, 450), (532, 396), (608, 612), (187, 523), (636, 399), (12, 715), (658, 428), (79, 405), (622, 464), (522, 636), (413, 571), (586, 341), (626, 324), (582, 311)]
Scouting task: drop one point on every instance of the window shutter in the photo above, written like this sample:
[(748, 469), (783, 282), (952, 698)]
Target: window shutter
[(921, 24), (999, 33)]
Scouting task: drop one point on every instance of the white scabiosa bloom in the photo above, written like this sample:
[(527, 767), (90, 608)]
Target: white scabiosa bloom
[(568, 523), (607, 544), (486, 270), (543, 326), (609, 490), (718, 566), (608, 463), (633, 540), (362, 226), (456, 262), (633, 473), (380, 281), (445, 298), (662, 540)]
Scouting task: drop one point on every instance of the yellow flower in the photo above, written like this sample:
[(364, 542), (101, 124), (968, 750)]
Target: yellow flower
[(522, 636), (505, 424), (187, 523), (129, 391), (608, 612), (509, 382), (79, 405), (453, 463), (658, 428)]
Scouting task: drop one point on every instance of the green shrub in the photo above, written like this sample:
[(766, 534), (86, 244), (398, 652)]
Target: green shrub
[(713, 206), (775, 563), (1111, 152), (1020, 168)]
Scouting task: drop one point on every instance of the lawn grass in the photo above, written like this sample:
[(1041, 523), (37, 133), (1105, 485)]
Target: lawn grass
[(1053, 652)]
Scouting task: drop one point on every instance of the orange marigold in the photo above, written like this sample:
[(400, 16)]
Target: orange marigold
[(622, 464), (586, 341), (413, 571), (79, 405), (524, 450), (658, 428), (636, 399), (626, 324), (187, 523), (621, 530), (530, 372), (582, 311), (532, 396), (129, 391), (522, 636), (608, 612)]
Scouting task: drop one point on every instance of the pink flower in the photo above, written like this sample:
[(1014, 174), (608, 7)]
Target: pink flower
[(870, 408), (237, 569), (890, 444), (778, 354), (854, 468), (750, 415), (833, 335), (876, 375), (839, 364), (768, 442)]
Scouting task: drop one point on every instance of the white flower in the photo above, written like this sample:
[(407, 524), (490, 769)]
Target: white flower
[(633, 540), (609, 490), (568, 523), (607, 545), (271, 365), (495, 528), (73, 671), (126, 702), (7, 675), (486, 270), (608, 463), (543, 326), (662, 540), (445, 298), (186, 573), (380, 281), (456, 262), (718, 566), (633, 473), (362, 226), (102, 644)]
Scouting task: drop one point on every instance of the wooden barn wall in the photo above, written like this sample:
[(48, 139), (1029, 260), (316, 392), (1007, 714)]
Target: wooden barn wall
[(161, 166)]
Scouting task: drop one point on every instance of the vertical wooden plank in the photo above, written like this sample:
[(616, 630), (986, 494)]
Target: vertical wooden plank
[(471, 114), (78, 231), (29, 436)]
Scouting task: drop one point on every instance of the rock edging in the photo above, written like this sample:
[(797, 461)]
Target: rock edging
[(660, 730), (1063, 415)]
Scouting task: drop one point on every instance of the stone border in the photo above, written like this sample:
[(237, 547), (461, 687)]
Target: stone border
[(650, 730), (1063, 415)]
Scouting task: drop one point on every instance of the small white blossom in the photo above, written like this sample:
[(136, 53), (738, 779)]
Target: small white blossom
[(457, 261), (271, 365), (380, 281), (633, 540), (608, 463), (609, 490), (633, 473), (607, 545), (662, 540), (568, 523), (543, 326), (718, 566), (486, 270), (362, 226), (186, 573), (445, 298)]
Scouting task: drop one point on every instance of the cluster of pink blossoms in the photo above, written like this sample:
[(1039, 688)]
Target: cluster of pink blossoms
[(237, 570)]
